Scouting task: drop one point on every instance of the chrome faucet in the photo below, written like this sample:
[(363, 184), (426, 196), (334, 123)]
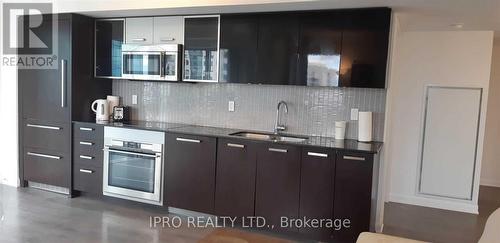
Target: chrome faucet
[(277, 126)]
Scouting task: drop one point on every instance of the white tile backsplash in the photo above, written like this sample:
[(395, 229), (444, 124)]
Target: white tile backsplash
[(311, 110)]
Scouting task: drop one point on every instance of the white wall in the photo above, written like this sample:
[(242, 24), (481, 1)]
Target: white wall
[(8, 123), (490, 172), (420, 58)]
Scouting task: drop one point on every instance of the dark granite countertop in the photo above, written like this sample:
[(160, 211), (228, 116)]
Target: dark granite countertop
[(314, 141)]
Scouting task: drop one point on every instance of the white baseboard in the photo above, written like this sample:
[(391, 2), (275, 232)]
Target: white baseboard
[(489, 182), (465, 207)]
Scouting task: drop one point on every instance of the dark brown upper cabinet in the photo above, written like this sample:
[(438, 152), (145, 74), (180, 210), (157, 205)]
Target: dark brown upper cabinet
[(109, 37), (277, 49), (201, 46), (365, 43), (238, 48), (320, 49)]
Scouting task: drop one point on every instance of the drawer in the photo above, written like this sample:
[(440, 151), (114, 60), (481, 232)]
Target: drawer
[(354, 157), (54, 136), (87, 179), (46, 167), (88, 131), (90, 159)]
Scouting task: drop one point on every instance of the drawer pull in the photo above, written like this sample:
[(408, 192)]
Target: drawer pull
[(86, 143), (278, 150), (86, 129), (44, 155), (234, 145), (86, 157), (317, 154), (86, 171), (354, 158), (139, 39), (188, 140), (167, 39), (43, 126)]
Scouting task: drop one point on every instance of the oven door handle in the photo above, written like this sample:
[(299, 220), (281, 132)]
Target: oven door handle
[(133, 153)]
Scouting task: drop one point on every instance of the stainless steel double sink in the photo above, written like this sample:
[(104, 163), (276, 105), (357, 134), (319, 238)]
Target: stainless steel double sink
[(269, 137)]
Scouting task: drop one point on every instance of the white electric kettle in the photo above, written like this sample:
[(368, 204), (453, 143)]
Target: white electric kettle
[(101, 109)]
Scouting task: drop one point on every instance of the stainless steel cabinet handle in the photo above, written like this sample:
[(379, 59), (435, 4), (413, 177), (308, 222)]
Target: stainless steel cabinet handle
[(167, 39), (43, 126), (234, 145), (354, 158), (86, 171), (317, 154), (139, 39), (86, 157), (63, 83), (188, 140), (43, 155), (86, 129), (86, 143), (278, 150)]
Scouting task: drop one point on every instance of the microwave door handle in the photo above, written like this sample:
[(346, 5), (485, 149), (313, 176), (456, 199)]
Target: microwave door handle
[(162, 65)]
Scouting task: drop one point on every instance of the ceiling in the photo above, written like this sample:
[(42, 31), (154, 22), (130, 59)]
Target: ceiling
[(412, 14)]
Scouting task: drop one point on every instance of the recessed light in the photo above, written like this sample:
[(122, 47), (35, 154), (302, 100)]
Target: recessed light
[(457, 25)]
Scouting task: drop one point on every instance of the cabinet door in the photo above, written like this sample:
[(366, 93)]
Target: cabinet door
[(278, 184), (190, 172), (46, 166), (168, 30), (319, 50), (365, 43), (235, 184), (139, 30), (109, 37), (238, 48), (201, 48), (316, 189), (277, 54), (353, 192), (45, 93)]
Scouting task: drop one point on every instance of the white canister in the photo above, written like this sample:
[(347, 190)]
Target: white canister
[(112, 102), (365, 126), (340, 129)]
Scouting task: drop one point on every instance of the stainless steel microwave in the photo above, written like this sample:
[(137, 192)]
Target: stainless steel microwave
[(151, 62)]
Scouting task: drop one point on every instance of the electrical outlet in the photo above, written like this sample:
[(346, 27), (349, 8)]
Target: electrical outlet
[(354, 114), (134, 99), (230, 106)]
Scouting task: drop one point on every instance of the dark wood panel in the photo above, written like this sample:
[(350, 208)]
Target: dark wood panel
[(278, 184), (47, 135), (42, 90), (87, 178), (235, 179), (277, 49), (319, 49), (353, 192), (238, 48), (365, 43), (52, 171), (88, 132), (190, 172), (317, 189)]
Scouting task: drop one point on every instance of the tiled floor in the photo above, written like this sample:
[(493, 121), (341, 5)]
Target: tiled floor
[(435, 225)]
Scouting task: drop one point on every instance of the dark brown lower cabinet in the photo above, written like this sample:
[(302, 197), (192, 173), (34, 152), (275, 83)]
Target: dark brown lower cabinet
[(46, 166), (353, 193), (278, 184), (190, 172), (235, 178), (316, 190), (87, 179)]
